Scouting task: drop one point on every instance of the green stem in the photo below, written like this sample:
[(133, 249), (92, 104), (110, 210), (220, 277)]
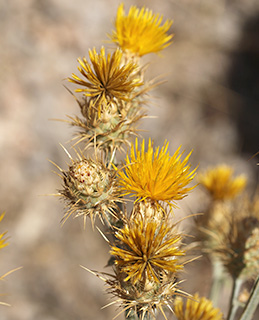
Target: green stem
[(217, 281), (234, 305), (252, 303)]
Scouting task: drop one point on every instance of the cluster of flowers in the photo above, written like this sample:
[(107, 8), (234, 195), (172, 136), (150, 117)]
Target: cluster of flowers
[(229, 229), (230, 226), (147, 249)]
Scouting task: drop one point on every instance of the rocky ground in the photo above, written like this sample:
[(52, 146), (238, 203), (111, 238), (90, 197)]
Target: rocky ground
[(209, 104)]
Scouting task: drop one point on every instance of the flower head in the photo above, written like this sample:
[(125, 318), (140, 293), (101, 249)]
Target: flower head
[(147, 249), (141, 31), (220, 183), (196, 309), (106, 79), (155, 175)]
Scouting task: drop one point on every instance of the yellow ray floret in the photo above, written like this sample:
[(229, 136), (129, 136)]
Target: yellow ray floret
[(106, 78), (3, 240), (220, 183), (196, 309), (155, 175), (141, 31)]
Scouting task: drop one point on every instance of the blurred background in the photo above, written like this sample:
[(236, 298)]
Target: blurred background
[(209, 104)]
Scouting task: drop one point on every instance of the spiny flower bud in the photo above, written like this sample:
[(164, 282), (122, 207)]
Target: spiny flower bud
[(90, 190), (111, 128), (143, 300), (88, 178)]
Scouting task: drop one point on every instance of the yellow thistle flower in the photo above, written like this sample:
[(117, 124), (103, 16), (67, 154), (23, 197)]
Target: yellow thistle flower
[(140, 32), (3, 240), (147, 249), (106, 79), (155, 175), (196, 309), (220, 183)]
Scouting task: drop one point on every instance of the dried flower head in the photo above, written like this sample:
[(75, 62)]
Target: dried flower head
[(147, 249), (196, 308), (220, 183), (141, 32), (90, 189), (107, 79), (155, 175), (238, 245)]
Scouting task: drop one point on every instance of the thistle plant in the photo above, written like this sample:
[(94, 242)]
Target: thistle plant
[(147, 247)]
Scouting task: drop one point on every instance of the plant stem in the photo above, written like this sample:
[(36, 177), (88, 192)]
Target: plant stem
[(217, 281), (132, 315), (252, 303), (234, 305)]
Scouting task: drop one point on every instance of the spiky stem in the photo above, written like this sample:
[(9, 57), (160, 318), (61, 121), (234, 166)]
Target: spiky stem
[(252, 303)]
